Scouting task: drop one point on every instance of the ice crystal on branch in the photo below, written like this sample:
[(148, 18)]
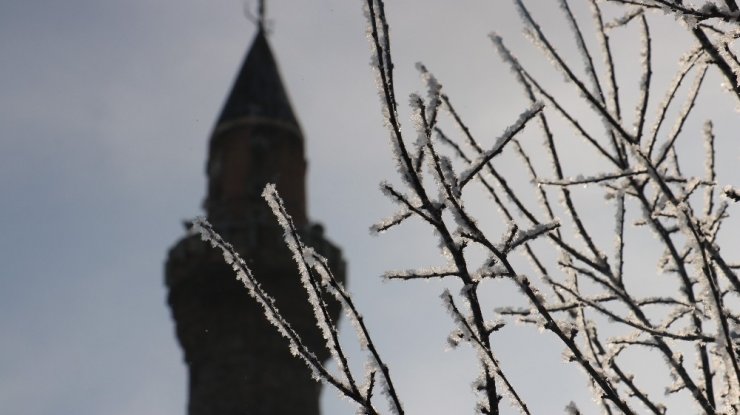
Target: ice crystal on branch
[(586, 287)]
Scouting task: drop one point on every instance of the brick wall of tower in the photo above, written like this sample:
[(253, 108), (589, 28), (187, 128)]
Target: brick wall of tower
[(237, 362), (246, 155)]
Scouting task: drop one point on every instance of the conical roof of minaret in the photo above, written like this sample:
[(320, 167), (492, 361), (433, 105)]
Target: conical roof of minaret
[(258, 90)]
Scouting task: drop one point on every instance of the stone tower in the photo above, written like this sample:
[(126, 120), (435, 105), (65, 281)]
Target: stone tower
[(237, 363)]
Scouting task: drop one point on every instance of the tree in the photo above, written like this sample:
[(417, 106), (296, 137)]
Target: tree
[(575, 284)]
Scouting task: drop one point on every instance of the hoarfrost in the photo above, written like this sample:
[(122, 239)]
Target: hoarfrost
[(498, 146)]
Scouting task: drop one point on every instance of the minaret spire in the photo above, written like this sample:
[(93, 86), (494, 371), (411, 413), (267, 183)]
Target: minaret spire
[(256, 140), (237, 362)]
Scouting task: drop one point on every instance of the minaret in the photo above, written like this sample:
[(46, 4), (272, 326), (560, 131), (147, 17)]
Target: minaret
[(237, 363)]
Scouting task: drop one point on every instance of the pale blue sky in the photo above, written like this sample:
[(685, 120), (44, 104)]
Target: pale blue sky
[(105, 112)]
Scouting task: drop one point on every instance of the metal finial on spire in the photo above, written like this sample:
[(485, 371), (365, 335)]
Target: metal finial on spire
[(261, 14), (259, 18)]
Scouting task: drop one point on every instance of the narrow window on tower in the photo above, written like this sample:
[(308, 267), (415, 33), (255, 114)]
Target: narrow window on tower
[(215, 169)]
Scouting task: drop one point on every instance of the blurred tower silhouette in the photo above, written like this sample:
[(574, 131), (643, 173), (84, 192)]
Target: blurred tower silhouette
[(237, 362)]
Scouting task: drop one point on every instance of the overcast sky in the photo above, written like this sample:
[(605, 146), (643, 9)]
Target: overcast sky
[(105, 113)]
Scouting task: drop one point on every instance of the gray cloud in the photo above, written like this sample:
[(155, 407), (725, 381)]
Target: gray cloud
[(104, 117)]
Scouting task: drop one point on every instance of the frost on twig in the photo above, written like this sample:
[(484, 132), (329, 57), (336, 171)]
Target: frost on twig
[(318, 281), (498, 146), (589, 301), (731, 193)]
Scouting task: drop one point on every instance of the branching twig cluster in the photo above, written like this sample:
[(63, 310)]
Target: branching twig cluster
[(715, 25), (579, 282), (317, 280)]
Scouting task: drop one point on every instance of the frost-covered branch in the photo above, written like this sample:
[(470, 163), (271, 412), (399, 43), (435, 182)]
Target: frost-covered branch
[(579, 280)]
